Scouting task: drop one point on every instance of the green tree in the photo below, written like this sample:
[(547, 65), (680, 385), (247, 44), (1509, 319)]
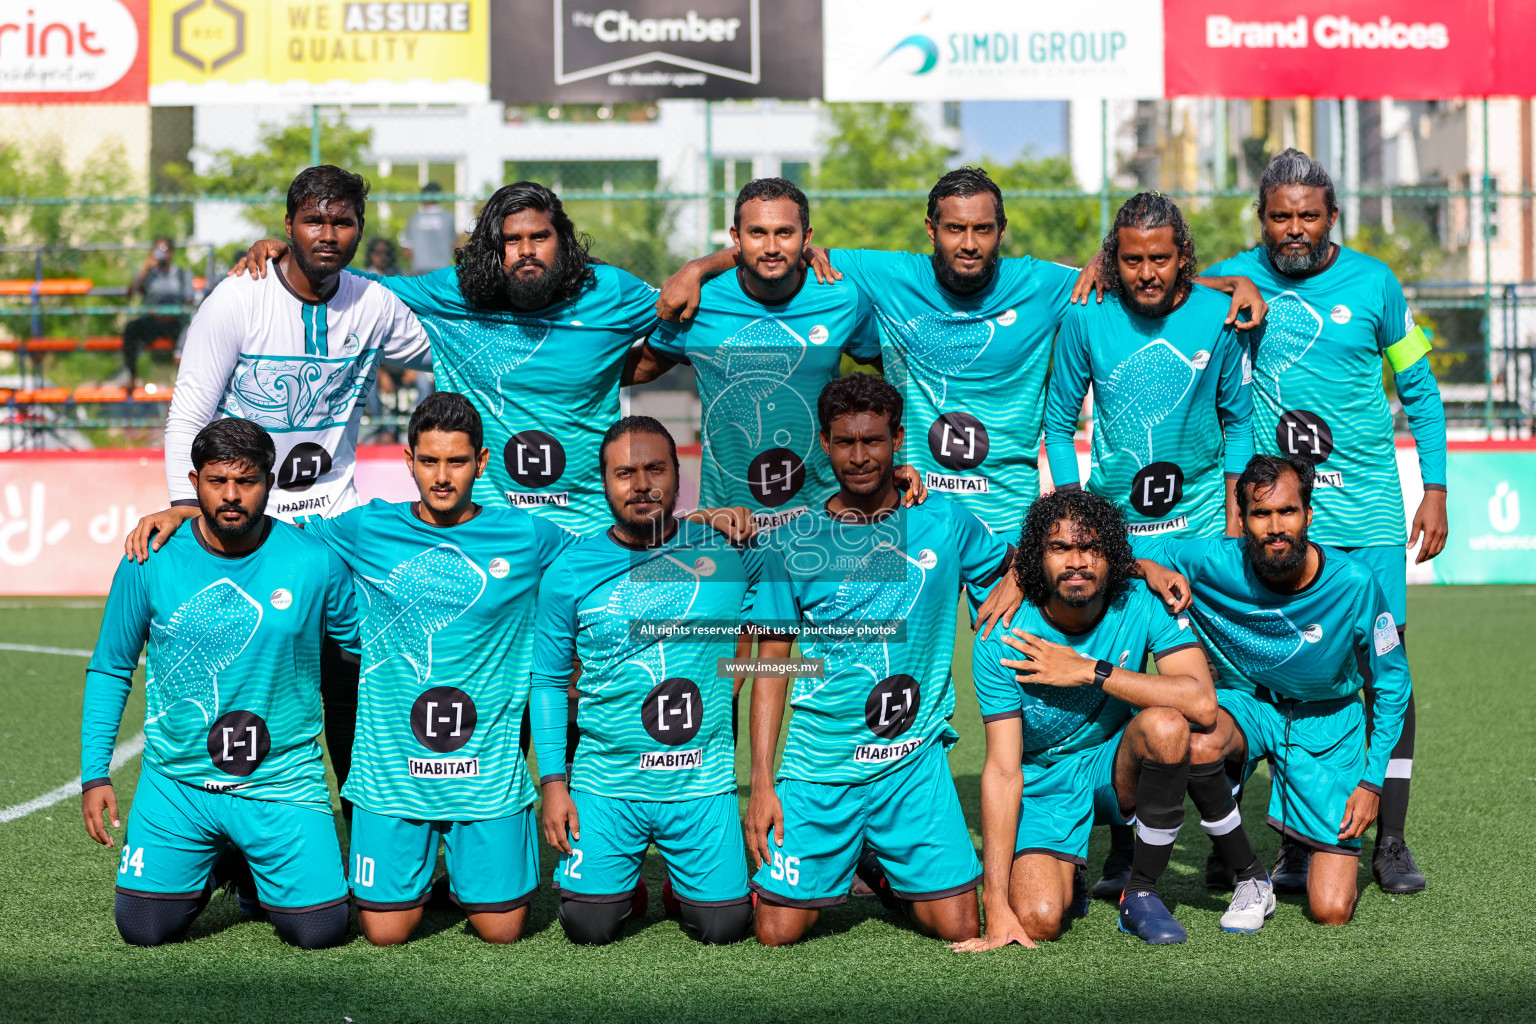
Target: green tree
[(876, 147), (1064, 230)]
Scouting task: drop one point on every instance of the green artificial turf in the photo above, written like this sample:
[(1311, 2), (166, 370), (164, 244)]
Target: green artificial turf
[(1461, 951)]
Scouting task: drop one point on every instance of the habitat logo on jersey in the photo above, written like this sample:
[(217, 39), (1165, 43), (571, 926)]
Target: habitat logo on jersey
[(881, 753), (1385, 633), (443, 767), (672, 760)]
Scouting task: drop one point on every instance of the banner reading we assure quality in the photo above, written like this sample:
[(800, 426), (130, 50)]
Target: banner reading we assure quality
[(318, 51)]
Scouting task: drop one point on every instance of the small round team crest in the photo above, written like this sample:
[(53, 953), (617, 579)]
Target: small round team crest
[(1313, 633), (499, 568), (351, 345), (927, 559), (1008, 317), (705, 566), (281, 598), (1340, 315), (1201, 360), (819, 335)]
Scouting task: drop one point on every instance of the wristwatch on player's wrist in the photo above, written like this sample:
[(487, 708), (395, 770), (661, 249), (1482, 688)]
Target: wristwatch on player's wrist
[(1101, 671)]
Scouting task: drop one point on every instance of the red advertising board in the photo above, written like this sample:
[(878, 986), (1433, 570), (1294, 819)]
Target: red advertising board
[(74, 51), (1406, 49), (1514, 33)]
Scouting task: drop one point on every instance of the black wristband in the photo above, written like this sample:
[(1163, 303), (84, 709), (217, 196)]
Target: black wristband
[(1101, 671)]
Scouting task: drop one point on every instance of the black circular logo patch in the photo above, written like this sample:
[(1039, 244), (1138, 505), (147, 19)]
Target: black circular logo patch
[(534, 459), (891, 707), (302, 466), (1305, 435), (443, 719), (1156, 489), (958, 441), (775, 476), (673, 711), (238, 742)]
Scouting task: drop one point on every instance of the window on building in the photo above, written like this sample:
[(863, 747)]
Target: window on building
[(726, 176), (797, 171)]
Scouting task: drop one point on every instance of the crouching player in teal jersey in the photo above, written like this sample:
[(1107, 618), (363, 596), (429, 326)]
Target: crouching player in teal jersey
[(874, 587), (448, 589), (1297, 631), (649, 608), (1317, 369), (234, 610), (1059, 694)]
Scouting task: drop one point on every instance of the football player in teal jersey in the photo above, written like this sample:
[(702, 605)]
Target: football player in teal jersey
[(1317, 370), (234, 610), (448, 589), (1295, 630), (1169, 379), (649, 608), (1060, 695), (966, 337), (874, 587)]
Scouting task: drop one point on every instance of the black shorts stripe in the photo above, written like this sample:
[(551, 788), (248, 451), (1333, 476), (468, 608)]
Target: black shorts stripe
[(124, 890), (388, 908), (301, 910), (1308, 841), (1043, 852), (768, 896), (943, 894), (494, 908), (738, 901), (597, 897)]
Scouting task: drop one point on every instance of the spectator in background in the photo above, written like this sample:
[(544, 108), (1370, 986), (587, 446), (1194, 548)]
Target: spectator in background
[(158, 283), (429, 235), (381, 257)]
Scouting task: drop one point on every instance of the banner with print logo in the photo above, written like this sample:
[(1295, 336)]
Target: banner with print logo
[(900, 50), (318, 51), (1367, 49), (615, 51), (1491, 503), (74, 51)]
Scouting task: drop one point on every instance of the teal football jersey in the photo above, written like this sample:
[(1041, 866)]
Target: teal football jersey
[(875, 600), (648, 627), (1318, 381), (447, 642), (1321, 643), (1062, 720), (972, 370), (546, 384), (232, 683), (1171, 410), (760, 370)]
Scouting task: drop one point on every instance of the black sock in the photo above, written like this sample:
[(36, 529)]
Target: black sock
[(1393, 814), (1211, 794), (1122, 837), (1159, 813)]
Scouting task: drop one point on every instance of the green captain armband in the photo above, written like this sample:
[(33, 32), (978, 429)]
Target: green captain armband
[(1408, 350)]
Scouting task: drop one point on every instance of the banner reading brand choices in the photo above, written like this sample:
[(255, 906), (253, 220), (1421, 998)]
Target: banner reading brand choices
[(73, 51), (1407, 49), (884, 50), (318, 51)]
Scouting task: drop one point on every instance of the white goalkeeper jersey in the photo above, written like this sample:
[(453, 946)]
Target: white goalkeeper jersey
[(301, 369)]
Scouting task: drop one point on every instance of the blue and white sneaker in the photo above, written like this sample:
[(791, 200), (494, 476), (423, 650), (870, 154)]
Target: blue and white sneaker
[(1143, 915), (1253, 902)]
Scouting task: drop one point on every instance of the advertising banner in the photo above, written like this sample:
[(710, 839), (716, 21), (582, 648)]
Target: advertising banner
[(1365, 49), (74, 51), (1514, 29), (616, 51), (318, 51), (1493, 540), (901, 50)]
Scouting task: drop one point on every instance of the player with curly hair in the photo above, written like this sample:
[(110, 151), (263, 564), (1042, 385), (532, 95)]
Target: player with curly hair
[(1074, 728)]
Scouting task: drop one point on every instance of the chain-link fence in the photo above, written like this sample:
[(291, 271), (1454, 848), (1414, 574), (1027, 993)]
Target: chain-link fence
[(1441, 192)]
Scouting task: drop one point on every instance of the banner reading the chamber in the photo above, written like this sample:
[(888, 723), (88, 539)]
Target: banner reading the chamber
[(318, 51)]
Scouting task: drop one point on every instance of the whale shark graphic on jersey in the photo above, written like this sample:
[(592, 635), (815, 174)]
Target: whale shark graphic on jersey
[(1291, 328), (754, 363), (1260, 642), (1140, 393), (661, 590), (487, 352), (202, 638), (940, 345), (420, 596), (299, 391), (1053, 713), (885, 584)]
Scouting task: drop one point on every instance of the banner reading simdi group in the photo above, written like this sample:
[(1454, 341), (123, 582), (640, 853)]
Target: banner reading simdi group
[(318, 51)]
